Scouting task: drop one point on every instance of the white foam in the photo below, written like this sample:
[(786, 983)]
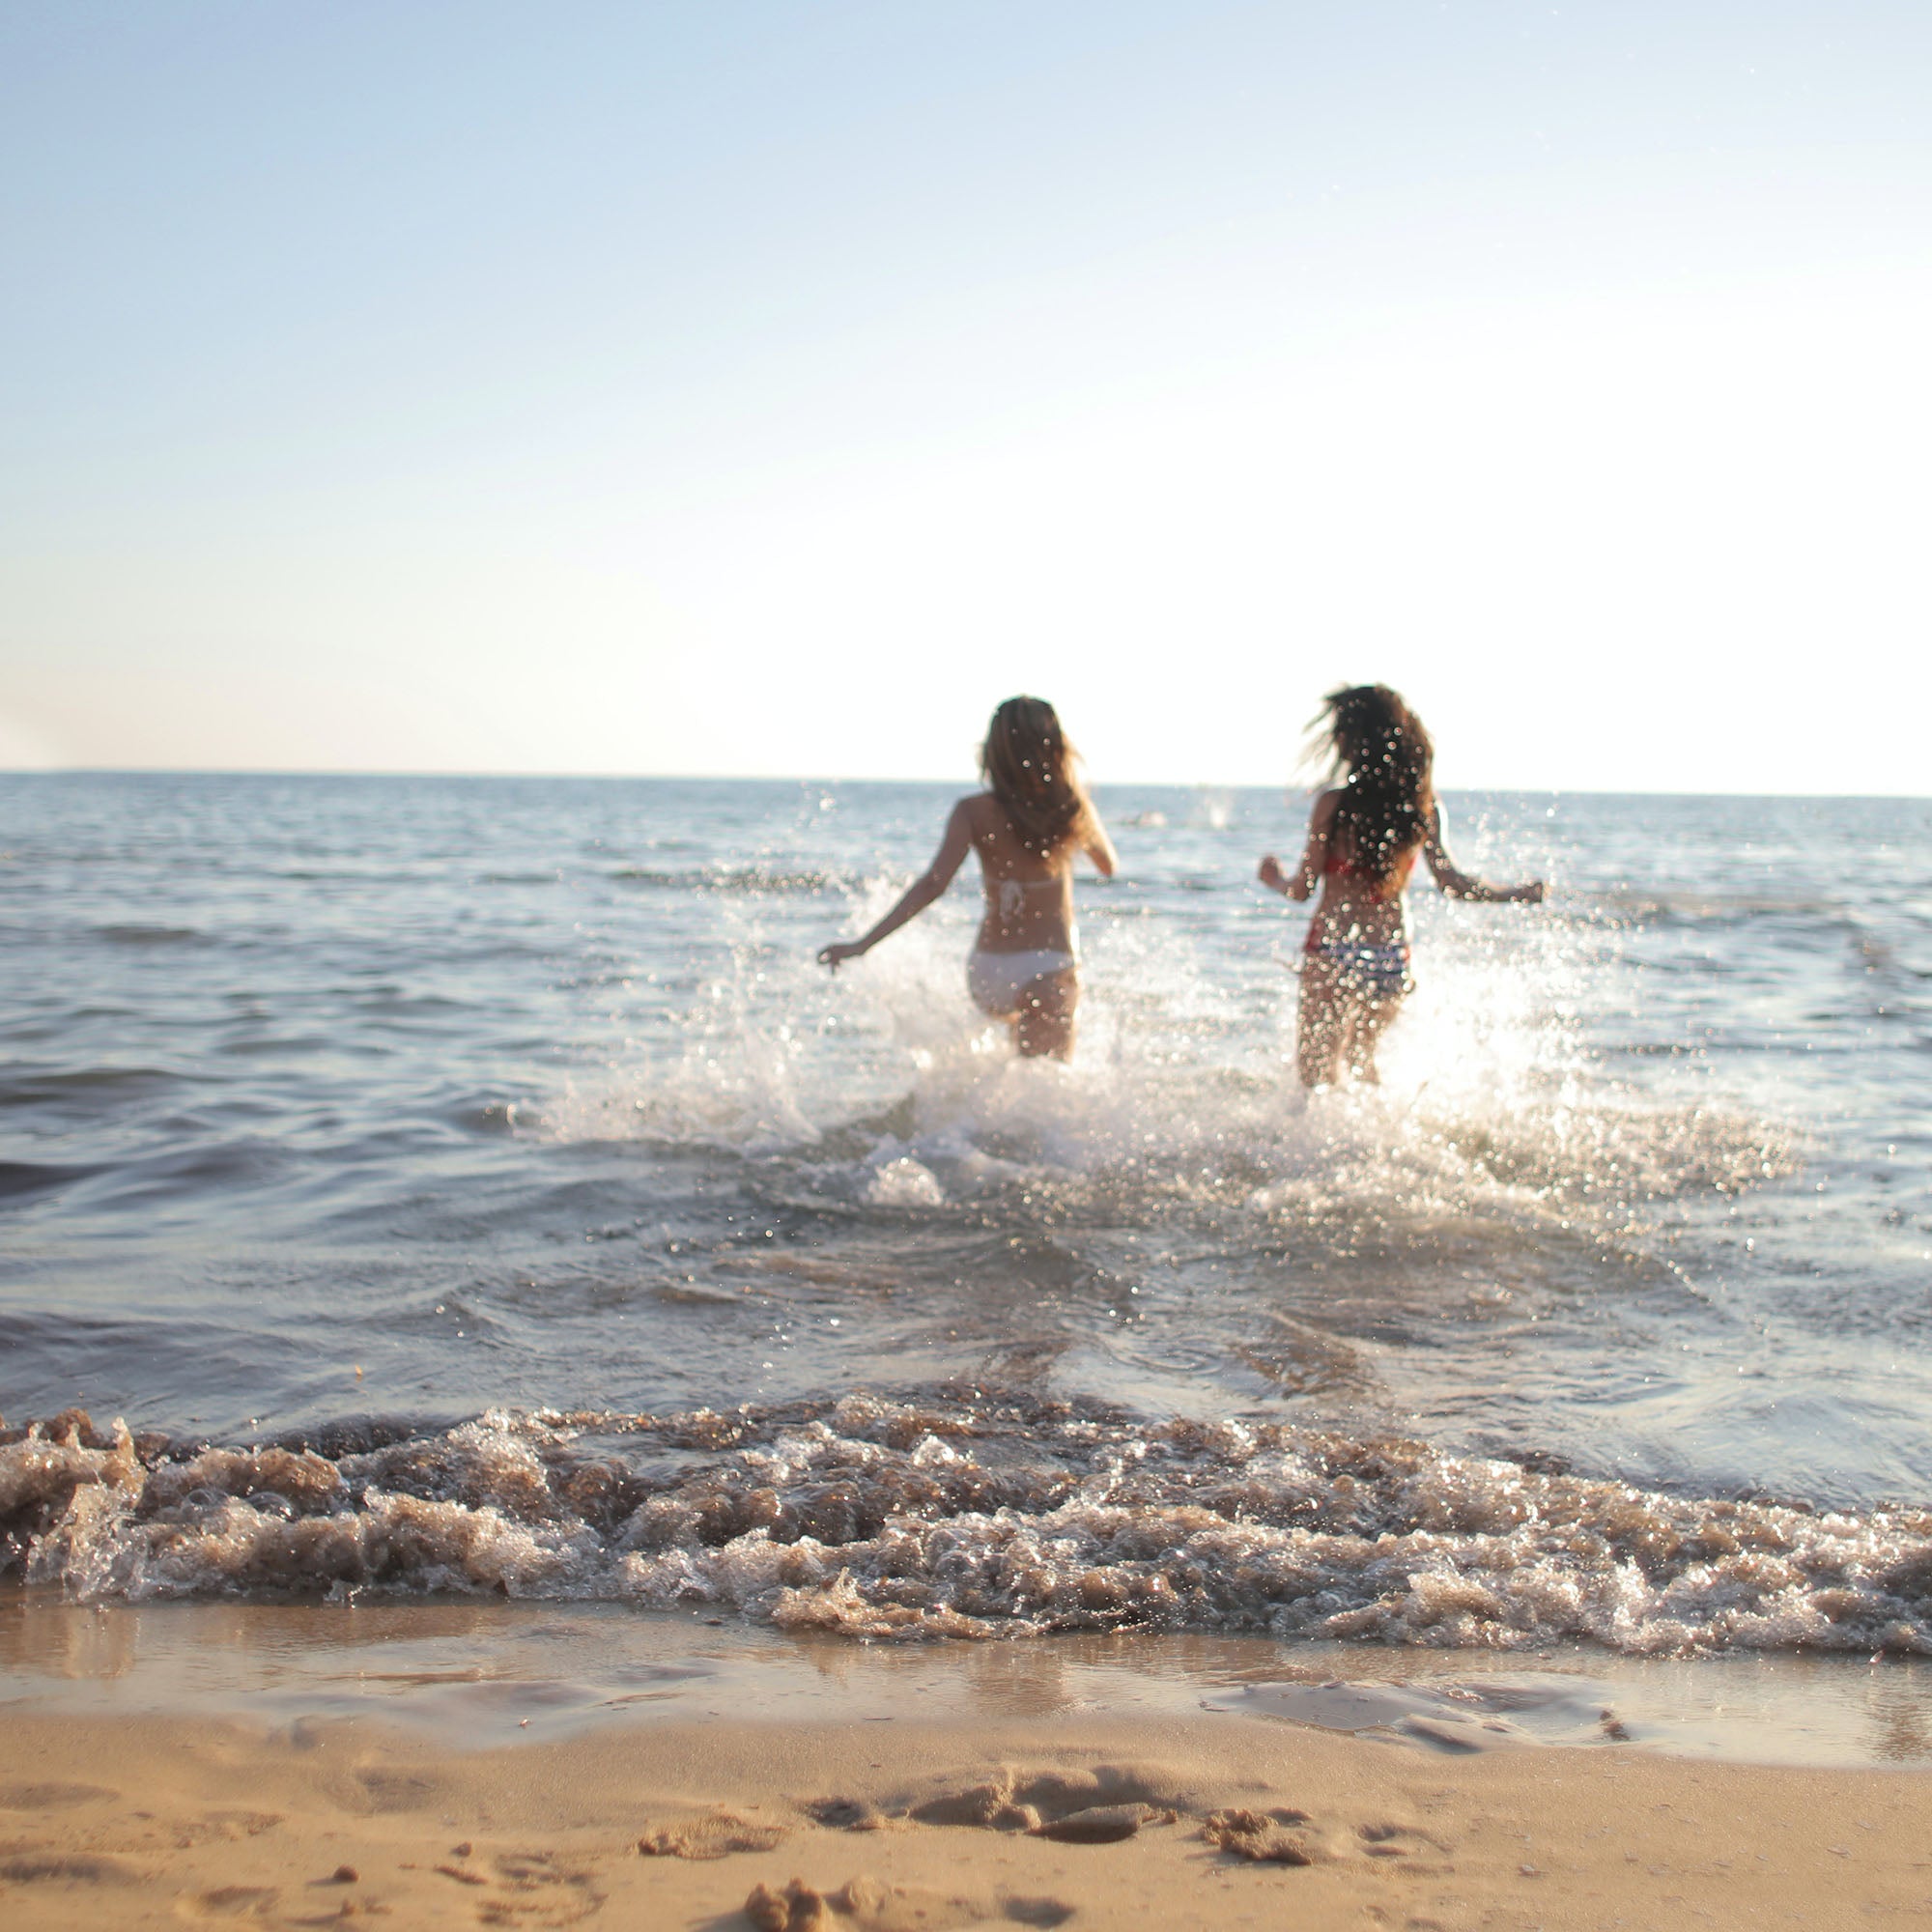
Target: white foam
[(903, 1183), (974, 1514)]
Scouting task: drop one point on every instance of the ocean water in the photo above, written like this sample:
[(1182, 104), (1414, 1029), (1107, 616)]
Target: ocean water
[(474, 1185)]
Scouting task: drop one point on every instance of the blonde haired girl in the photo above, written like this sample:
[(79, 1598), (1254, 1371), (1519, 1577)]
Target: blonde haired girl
[(1027, 826)]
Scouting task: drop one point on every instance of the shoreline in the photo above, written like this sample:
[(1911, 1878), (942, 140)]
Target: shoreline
[(467, 1671), (889, 1825), (963, 1511), (500, 1764)]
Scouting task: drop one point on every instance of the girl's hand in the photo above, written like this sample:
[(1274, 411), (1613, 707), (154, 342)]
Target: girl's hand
[(836, 955), (1272, 874), (1530, 894)]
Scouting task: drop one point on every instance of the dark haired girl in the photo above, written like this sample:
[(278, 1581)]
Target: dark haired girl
[(1026, 826), (1362, 844)]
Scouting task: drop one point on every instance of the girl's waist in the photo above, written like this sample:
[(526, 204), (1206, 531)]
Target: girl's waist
[(1357, 934), (1060, 939)]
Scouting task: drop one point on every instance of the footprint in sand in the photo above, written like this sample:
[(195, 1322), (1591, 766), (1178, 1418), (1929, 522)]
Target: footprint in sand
[(1396, 1841), (846, 1814), (1100, 1807), (864, 1905), (1279, 1838), (347, 1908), (75, 1868), (387, 1791), (50, 1796), (232, 1901), (529, 1889), (1101, 1823), (224, 1828), (1286, 1837), (712, 1834)]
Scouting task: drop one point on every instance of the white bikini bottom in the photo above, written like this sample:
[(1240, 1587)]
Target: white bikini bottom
[(998, 980)]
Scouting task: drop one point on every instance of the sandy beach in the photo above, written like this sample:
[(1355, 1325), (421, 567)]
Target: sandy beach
[(458, 1762), (1210, 1820)]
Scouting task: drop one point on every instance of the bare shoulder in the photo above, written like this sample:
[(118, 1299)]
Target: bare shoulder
[(978, 818), (1324, 815)]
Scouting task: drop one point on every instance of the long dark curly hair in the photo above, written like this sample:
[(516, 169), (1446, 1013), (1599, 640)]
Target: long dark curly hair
[(1030, 768), (1375, 745)]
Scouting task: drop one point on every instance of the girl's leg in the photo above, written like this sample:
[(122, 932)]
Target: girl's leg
[(1321, 1025), (1044, 1026), (1371, 1018)]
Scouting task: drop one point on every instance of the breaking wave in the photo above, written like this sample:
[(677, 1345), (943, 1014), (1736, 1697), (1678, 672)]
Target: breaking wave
[(963, 1512)]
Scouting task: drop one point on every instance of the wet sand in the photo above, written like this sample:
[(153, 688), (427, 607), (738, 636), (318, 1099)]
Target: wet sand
[(467, 1763), (1207, 1819)]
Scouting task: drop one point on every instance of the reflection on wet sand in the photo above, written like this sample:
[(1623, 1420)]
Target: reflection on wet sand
[(475, 1673)]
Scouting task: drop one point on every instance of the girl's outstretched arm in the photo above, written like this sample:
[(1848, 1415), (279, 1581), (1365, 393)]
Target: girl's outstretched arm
[(917, 895), (1098, 846), (1461, 885), (1301, 884)]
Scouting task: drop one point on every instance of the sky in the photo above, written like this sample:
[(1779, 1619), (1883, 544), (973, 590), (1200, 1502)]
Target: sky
[(739, 388)]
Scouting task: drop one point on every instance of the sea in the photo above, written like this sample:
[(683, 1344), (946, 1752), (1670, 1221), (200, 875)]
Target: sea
[(460, 1191)]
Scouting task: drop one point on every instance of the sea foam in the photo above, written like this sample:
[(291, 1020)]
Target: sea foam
[(967, 1512)]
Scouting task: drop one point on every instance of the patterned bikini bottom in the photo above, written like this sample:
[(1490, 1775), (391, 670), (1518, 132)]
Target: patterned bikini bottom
[(1367, 971)]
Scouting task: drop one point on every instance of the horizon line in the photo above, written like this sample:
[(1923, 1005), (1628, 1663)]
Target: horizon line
[(808, 779)]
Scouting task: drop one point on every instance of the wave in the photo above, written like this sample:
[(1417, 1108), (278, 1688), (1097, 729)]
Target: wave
[(153, 936), (1624, 905), (962, 1511), (19, 1177), (27, 1086), (749, 881)]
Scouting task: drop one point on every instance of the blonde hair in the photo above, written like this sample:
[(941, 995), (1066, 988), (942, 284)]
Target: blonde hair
[(1029, 767)]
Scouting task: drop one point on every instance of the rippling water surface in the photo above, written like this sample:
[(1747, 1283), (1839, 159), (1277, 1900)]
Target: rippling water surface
[(474, 1185)]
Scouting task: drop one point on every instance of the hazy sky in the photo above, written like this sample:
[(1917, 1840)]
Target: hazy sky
[(744, 387)]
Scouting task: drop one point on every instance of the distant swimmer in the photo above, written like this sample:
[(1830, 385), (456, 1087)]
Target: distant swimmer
[(1362, 841), (1026, 826)]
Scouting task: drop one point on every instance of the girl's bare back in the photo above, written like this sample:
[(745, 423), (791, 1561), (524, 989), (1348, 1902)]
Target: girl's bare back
[(1028, 897)]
